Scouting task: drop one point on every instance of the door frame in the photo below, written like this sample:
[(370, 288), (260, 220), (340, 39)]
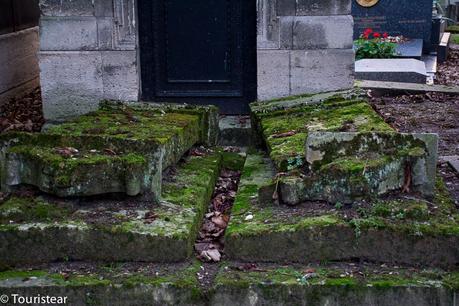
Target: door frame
[(228, 103)]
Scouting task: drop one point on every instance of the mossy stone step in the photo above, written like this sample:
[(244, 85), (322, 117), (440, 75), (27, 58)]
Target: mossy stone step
[(285, 124), (349, 166), (160, 135), (142, 284), (399, 230), (34, 230), (83, 174)]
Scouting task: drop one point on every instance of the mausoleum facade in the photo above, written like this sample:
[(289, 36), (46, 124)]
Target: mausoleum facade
[(227, 53)]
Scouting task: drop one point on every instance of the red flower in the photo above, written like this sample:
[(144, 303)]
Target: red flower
[(367, 32), (376, 35), (385, 35)]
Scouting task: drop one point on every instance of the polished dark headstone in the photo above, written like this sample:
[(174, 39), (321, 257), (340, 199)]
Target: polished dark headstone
[(412, 19), (410, 49)]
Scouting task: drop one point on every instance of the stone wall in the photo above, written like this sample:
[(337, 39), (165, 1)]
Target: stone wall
[(89, 51), (18, 63), (304, 46)]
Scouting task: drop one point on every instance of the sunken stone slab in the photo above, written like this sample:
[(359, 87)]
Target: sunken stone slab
[(398, 231), (391, 70), (350, 166), (38, 230)]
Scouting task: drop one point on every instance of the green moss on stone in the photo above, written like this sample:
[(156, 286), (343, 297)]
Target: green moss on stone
[(31, 209), (335, 114)]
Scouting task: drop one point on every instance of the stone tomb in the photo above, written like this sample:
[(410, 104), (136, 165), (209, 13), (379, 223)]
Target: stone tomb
[(327, 134)]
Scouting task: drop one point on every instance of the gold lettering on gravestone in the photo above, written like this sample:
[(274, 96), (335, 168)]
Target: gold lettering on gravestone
[(367, 3)]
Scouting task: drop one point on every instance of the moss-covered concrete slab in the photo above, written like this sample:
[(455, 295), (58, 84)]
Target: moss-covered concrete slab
[(43, 229), (322, 285), (159, 135), (84, 173), (110, 285), (144, 284), (285, 124), (349, 166), (405, 230)]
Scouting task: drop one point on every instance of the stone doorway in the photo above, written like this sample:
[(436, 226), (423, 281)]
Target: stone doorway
[(201, 53)]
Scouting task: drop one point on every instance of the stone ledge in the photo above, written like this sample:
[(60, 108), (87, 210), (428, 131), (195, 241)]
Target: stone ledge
[(319, 285)]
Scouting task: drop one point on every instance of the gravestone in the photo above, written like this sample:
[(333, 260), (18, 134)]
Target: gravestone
[(412, 19)]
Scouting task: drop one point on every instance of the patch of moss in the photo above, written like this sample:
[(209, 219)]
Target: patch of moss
[(31, 209), (273, 277), (334, 114), (58, 279), (127, 123), (355, 165), (232, 160), (453, 29), (455, 38)]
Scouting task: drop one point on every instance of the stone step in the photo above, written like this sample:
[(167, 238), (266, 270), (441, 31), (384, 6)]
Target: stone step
[(349, 166), (158, 134), (399, 230), (391, 70), (82, 173), (257, 284), (235, 131), (43, 229), (285, 124)]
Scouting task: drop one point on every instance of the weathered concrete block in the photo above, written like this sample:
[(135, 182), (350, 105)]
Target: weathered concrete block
[(57, 8), (235, 131), (72, 83), (313, 7), (103, 8), (322, 32), (316, 32), (120, 76), (315, 71), (273, 74), (105, 30), (18, 60), (85, 175), (391, 70), (349, 166), (68, 33), (323, 7), (267, 25)]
